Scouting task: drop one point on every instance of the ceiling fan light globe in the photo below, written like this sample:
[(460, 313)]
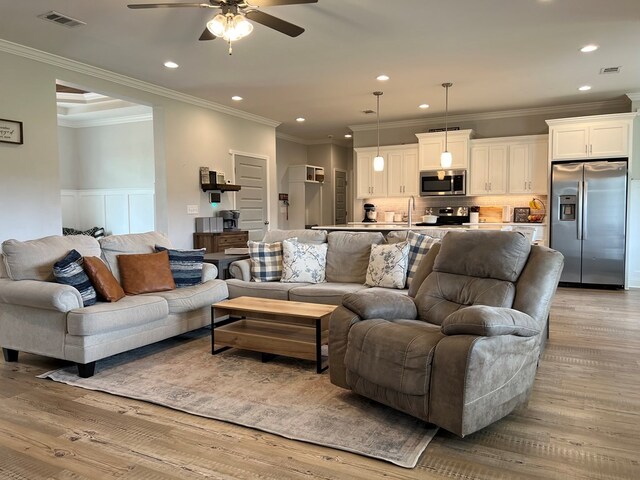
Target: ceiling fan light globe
[(446, 159), (217, 25), (378, 163), (242, 25)]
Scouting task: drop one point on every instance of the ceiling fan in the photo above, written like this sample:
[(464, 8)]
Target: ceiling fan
[(231, 23)]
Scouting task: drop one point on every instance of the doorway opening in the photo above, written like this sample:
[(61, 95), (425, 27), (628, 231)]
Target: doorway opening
[(107, 163), (252, 173)]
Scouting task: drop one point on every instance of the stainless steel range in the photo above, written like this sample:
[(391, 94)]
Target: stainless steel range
[(448, 216)]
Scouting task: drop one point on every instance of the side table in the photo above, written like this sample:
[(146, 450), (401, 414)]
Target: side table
[(222, 261)]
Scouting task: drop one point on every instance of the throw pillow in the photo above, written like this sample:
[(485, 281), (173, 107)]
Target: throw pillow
[(68, 271), (388, 265), (145, 273), (185, 265), (266, 261), (419, 245), (303, 262), (102, 279)]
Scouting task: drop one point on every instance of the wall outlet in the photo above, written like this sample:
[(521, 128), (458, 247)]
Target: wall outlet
[(193, 209)]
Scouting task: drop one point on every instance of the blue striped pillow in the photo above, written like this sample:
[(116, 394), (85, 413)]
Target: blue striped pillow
[(185, 265), (69, 271)]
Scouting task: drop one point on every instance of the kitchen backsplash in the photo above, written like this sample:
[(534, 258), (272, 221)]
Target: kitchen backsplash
[(399, 204)]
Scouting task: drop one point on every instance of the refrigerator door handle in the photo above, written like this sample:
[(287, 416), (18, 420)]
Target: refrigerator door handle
[(585, 194), (579, 212)]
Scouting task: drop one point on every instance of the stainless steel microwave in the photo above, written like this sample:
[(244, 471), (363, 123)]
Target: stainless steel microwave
[(443, 182)]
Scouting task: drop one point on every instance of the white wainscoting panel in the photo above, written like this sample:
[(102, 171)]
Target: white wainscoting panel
[(119, 211)]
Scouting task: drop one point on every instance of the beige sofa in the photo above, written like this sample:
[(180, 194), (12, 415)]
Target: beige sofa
[(347, 261), (40, 316)]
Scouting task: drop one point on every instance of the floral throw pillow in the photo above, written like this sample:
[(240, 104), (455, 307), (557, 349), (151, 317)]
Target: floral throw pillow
[(303, 262), (419, 245), (388, 265)]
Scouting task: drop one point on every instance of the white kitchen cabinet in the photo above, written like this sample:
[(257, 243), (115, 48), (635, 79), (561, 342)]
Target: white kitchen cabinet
[(402, 176), (369, 183), (600, 136), (431, 145), (528, 168), (488, 169)]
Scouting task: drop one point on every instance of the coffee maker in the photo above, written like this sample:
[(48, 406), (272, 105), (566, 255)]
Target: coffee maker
[(230, 220), (369, 213)]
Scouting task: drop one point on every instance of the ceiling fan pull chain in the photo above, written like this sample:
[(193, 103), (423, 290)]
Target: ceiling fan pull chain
[(230, 48)]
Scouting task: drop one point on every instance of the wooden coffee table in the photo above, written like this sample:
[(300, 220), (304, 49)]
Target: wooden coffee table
[(272, 327)]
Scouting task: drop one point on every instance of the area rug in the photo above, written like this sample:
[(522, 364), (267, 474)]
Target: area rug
[(283, 396)]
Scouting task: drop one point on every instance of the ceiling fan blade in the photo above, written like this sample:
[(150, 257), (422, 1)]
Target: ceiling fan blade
[(136, 6), (275, 3), (275, 23), (207, 35)]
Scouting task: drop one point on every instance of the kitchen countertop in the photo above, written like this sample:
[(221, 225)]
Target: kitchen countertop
[(383, 227)]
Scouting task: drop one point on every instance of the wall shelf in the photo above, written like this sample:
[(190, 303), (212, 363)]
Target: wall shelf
[(220, 187)]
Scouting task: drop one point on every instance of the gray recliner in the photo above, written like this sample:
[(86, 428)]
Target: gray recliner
[(460, 351)]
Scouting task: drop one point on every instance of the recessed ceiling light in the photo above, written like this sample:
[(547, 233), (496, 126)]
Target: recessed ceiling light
[(236, 98), (300, 119), (382, 78), (171, 64), (589, 48), (585, 88), (423, 106), (347, 135)]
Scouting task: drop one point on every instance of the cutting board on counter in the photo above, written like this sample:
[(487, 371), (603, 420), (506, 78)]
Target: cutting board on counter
[(491, 214)]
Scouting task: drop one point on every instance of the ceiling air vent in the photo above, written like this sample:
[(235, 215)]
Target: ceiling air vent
[(606, 70), (61, 19)]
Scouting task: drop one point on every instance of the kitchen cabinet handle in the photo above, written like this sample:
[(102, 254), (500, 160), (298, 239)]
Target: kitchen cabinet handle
[(586, 149), (486, 187), (489, 186), (525, 185), (591, 148)]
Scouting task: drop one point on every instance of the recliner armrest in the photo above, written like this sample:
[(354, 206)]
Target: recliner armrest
[(385, 305), (209, 272), (487, 321), (37, 294), (241, 269)]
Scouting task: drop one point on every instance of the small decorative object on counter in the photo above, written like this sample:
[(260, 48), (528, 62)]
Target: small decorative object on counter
[(521, 214), (474, 214)]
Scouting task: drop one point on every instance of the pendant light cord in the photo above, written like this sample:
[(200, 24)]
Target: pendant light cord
[(377, 94), (446, 118)]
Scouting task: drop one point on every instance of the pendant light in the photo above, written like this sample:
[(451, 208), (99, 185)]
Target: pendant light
[(378, 161), (445, 157)]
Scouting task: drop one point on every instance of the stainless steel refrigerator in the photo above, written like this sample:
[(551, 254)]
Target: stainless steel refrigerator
[(588, 218)]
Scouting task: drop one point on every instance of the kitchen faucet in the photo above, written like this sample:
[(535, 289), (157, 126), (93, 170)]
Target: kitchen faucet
[(411, 206)]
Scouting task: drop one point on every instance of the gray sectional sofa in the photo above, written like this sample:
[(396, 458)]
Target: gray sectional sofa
[(40, 316), (347, 261)]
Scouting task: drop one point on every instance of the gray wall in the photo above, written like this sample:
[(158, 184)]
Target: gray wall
[(186, 136), (110, 156)]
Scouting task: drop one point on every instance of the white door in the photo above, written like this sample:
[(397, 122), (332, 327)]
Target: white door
[(410, 173), (539, 168), (395, 174), (430, 150), (519, 169), (569, 142), (251, 200), (609, 140), (478, 174), (363, 175), (497, 169)]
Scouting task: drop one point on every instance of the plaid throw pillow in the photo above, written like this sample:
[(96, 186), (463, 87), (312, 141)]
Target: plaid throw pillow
[(266, 261), (419, 245), (185, 265), (69, 271)]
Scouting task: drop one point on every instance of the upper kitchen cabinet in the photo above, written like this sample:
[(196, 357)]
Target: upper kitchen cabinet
[(598, 136), (528, 166), (431, 145), (488, 169), (402, 175), (369, 183)]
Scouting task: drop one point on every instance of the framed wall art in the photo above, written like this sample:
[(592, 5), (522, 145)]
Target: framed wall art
[(521, 215), (11, 131)]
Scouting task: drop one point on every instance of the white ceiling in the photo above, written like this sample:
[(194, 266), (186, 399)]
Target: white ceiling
[(499, 54)]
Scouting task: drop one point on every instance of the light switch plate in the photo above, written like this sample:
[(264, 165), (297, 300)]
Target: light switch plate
[(193, 210)]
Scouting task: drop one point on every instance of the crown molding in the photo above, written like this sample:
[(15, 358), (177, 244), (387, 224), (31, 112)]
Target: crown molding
[(628, 116), (102, 122), (85, 69), (523, 112), (302, 141)]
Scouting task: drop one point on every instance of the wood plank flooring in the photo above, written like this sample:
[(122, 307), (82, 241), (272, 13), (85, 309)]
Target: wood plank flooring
[(582, 422)]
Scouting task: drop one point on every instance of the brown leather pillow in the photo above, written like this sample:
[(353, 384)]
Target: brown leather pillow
[(145, 273), (102, 279)]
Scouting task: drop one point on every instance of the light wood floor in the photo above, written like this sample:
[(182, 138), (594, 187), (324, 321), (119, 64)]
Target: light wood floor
[(582, 422)]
